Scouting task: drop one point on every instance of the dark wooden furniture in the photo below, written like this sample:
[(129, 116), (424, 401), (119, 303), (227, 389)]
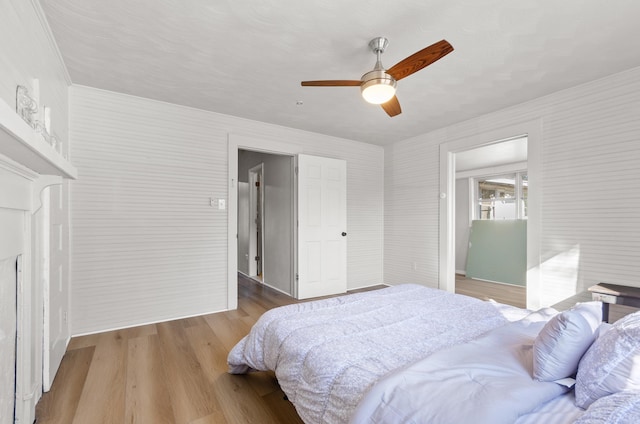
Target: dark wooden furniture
[(614, 294)]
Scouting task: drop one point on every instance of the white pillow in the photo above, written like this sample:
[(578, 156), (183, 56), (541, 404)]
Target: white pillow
[(563, 340), (612, 363), (604, 327), (619, 408)]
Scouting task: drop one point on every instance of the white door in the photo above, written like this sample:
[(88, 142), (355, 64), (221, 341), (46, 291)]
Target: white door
[(56, 292), (322, 226)]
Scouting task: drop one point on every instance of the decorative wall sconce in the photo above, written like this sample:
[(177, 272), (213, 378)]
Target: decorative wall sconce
[(27, 109), (40, 128)]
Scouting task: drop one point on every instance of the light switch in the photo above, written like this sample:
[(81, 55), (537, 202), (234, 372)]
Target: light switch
[(222, 204)]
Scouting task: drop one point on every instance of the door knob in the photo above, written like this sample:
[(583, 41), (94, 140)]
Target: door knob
[(344, 234)]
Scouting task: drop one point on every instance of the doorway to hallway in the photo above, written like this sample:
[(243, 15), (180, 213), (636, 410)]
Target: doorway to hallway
[(266, 218)]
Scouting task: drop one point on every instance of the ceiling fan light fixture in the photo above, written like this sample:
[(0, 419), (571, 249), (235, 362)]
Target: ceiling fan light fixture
[(378, 87)]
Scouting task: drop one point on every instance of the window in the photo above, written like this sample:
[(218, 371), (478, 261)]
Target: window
[(501, 196)]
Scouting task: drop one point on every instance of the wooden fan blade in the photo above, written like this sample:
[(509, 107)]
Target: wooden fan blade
[(392, 107), (419, 60), (332, 83)]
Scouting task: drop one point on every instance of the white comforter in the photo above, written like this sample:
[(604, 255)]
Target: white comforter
[(485, 381), (326, 354)]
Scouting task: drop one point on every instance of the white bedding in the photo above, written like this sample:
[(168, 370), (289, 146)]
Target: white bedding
[(560, 410), (484, 381), (326, 354)]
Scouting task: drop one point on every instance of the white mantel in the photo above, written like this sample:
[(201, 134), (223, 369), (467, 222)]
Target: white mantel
[(28, 164), (22, 144)]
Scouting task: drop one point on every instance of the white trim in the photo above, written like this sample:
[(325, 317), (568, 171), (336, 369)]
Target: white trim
[(262, 283), (492, 170), (124, 327), (253, 267), (17, 168), (272, 287), (20, 143), (446, 271), (38, 190), (447, 254), (534, 213), (369, 285)]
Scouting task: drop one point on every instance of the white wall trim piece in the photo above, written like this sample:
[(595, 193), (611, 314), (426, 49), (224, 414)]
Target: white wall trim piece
[(493, 170)]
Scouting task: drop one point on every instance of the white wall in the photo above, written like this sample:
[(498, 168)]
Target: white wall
[(147, 245), (411, 211), (278, 223), (590, 148)]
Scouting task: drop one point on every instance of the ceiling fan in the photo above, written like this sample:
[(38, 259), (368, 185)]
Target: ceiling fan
[(379, 85)]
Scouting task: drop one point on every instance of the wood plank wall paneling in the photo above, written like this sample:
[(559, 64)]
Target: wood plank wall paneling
[(147, 246), (589, 186), (146, 243), (411, 212), (590, 200)]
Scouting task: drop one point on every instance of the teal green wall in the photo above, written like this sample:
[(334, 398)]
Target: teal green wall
[(498, 251)]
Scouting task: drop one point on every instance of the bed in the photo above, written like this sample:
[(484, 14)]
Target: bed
[(409, 353)]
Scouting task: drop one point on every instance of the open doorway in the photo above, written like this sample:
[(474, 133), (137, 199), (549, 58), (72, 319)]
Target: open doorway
[(296, 276), (265, 218), (448, 153), (490, 221)]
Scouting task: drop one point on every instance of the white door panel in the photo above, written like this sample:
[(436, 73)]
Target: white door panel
[(55, 280), (322, 220)]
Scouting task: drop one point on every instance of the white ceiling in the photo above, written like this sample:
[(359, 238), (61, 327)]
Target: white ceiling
[(247, 57)]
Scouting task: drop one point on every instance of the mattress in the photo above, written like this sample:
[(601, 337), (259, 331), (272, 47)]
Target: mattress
[(326, 354)]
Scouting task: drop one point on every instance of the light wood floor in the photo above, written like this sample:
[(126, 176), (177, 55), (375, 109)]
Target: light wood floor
[(176, 372), (485, 290), (172, 372)]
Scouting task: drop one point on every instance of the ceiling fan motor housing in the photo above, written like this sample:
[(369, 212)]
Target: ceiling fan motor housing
[(378, 44), (377, 86)]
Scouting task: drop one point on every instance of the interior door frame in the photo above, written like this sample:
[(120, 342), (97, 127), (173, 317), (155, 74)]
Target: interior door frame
[(448, 150), (253, 251), (237, 142)]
